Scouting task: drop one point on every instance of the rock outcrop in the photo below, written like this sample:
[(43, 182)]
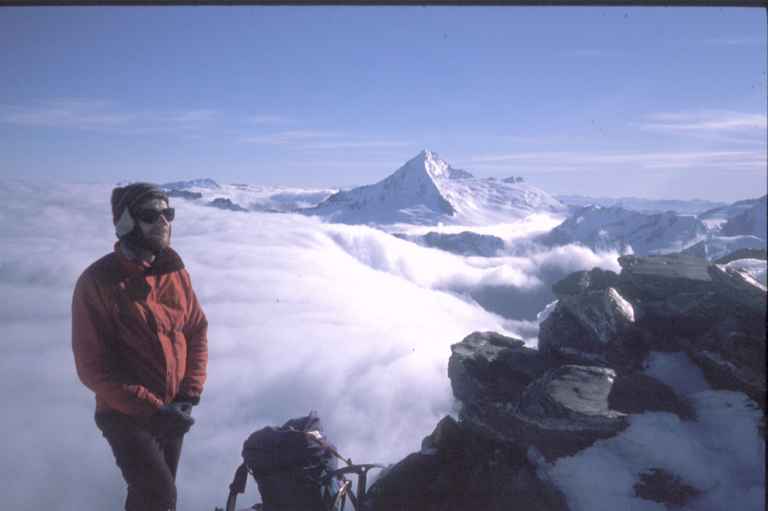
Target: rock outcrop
[(522, 409), (184, 194), (658, 485), (567, 410), (458, 470), (753, 221), (225, 203), (465, 243)]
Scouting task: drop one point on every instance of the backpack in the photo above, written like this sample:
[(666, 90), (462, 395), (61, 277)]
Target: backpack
[(291, 465)]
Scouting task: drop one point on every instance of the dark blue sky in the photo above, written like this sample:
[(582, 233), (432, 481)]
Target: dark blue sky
[(661, 102)]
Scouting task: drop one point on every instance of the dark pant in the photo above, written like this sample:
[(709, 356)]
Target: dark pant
[(148, 462)]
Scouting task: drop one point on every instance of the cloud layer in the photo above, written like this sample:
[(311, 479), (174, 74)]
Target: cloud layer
[(347, 320)]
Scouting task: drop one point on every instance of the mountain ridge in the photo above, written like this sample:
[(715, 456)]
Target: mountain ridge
[(428, 190)]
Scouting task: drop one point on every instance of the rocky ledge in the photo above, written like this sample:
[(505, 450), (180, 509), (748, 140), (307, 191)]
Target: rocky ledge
[(522, 409)]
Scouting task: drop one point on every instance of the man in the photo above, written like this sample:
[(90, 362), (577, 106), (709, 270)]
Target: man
[(139, 337)]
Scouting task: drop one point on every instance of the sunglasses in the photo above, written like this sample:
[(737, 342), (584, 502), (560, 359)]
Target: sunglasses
[(150, 216)]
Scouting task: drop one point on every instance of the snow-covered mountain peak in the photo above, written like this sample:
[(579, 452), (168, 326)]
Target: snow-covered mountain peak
[(425, 161), (427, 190), (430, 162), (616, 228)]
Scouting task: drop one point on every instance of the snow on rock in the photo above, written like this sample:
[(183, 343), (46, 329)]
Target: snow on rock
[(676, 370), (720, 215), (605, 314), (715, 247), (590, 320), (616, 228), (753, 221), (427, 190), (711, 235), (727, 470), (740, 286), (642, 205), (546, 311), (756, 268), (640, 428)]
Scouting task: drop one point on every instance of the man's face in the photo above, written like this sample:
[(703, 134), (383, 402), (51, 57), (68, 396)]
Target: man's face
[(158, 233)]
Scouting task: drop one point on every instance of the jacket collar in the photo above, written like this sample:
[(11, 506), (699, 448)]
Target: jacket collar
[(167, 261)]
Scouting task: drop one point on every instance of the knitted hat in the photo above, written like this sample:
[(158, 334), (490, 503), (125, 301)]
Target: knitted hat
[(129, 196)]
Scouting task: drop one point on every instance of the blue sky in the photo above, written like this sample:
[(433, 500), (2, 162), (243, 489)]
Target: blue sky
[(653, 102)]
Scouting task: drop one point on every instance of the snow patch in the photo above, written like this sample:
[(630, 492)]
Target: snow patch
[(676, 370), (755, 268), (601, 478)]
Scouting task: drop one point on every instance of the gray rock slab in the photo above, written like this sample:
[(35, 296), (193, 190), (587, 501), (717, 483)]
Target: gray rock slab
[(640, 393), (460, 470), (739, 287), (592, 328), (581, 281), (660, 276), (604, 314), (487, 366), (567, 410)]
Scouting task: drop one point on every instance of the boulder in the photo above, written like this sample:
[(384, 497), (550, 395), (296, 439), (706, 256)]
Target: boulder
[(725, 374), (567, 410), (716, 314), (739, 287), (658, 277), (225, 203), (639, 393), (487, 366), (523, 409), (445, 439), (582, 281), (659, 485), (594, 327), (605, 314), (560, 413), (561, 334), (458, 470), (683, 296)]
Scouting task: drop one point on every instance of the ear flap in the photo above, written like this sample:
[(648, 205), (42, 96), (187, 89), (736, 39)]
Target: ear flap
[(125, 224)]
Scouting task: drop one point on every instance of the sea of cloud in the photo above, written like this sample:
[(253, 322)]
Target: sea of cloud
[(346, 320)]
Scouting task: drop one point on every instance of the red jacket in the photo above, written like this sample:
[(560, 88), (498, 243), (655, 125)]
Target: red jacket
[(139, 335)]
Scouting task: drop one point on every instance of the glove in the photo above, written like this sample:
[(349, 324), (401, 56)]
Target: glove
[(184, 407), (173, 419), (188, 400)]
